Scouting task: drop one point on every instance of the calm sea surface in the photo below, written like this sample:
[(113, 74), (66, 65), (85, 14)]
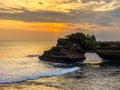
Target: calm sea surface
[(12, 49), (19, 62)]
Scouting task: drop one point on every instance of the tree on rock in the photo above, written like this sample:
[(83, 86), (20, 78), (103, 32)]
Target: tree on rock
[(87, 42)]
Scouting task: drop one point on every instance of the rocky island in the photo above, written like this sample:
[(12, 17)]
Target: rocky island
[(72, 48)]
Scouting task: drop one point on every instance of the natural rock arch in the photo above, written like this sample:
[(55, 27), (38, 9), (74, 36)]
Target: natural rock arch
[(73, 48)]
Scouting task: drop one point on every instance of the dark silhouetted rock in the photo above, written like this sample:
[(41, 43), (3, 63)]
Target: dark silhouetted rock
[(109, 54), (64, 52), (72, 49)]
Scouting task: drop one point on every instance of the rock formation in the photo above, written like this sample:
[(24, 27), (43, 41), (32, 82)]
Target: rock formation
[(70, 49), (109, 54), (109, 50), (64, 52)]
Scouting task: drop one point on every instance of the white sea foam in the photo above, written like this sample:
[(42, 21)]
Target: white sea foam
[(19, 69)]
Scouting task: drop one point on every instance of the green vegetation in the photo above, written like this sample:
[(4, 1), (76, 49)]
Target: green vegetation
[(87, 42)]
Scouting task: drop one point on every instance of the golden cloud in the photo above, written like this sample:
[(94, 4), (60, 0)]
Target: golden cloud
[(59, 5)]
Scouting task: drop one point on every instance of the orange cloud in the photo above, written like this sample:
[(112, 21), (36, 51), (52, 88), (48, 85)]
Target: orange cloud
[(42, 27)]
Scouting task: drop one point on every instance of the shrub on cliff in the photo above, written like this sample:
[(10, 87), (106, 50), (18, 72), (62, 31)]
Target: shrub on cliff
[(86, 41)]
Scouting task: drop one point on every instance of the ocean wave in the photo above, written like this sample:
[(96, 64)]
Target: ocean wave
[(27, 68)]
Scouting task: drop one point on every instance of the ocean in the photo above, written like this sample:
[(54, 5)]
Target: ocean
[(20, 69)]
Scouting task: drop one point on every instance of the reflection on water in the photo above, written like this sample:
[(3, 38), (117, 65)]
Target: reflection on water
[(11, 49)]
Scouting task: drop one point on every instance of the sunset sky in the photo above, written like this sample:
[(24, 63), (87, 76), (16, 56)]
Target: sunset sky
[(50, 19)]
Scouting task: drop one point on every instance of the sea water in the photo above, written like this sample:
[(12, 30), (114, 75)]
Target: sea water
[(19, 61)]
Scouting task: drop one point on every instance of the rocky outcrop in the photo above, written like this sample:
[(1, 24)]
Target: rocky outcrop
[(110, 57), (64, 52), (72, 49), (109, 54)]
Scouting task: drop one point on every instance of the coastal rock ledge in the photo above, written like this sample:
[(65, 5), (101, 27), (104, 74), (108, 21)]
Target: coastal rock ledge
[(72, 48), (68, 50)]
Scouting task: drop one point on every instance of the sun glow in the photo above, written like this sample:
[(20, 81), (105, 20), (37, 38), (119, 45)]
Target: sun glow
[(42, 27)]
